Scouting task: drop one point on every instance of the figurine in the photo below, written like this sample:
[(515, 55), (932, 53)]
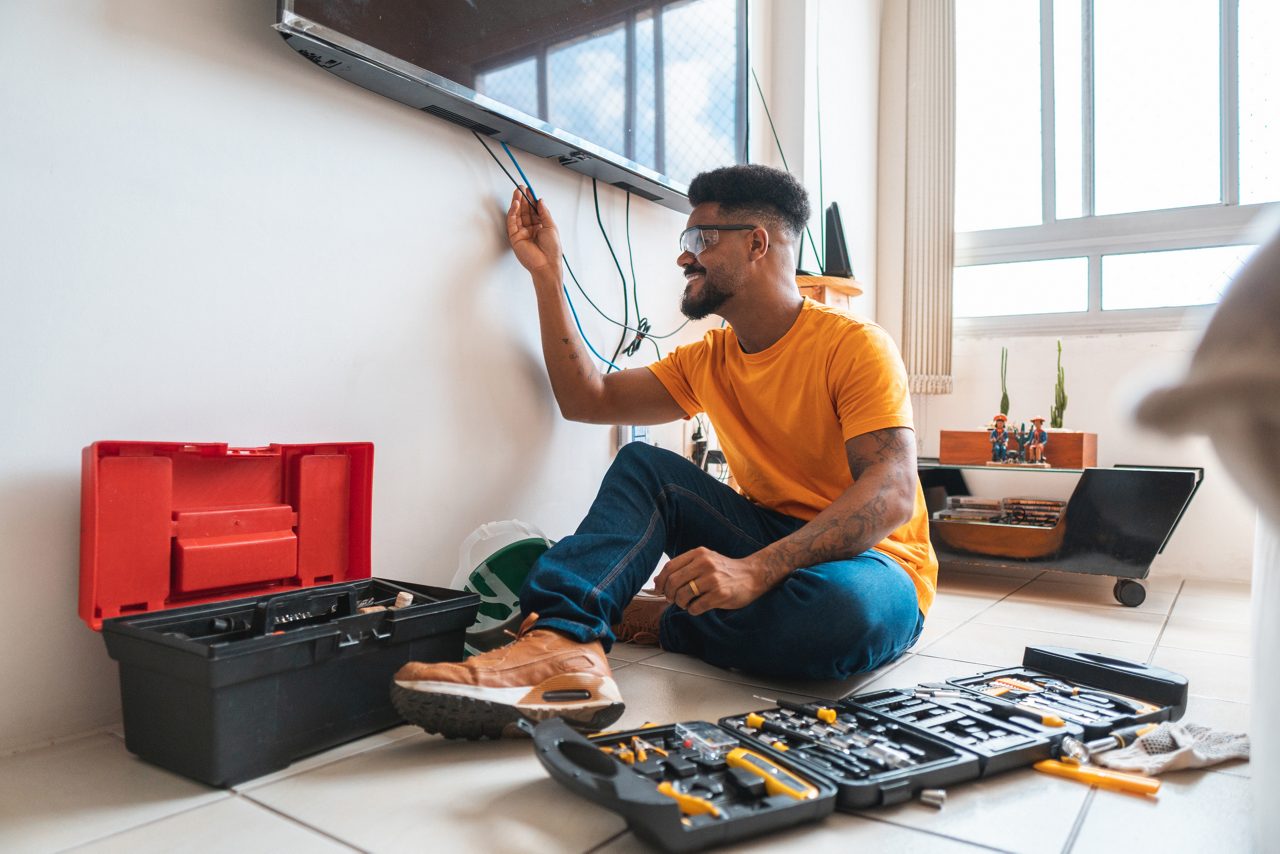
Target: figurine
[(1037, 439), (999, 439)]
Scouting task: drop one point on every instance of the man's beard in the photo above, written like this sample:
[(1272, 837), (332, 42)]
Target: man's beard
[(708, 300)]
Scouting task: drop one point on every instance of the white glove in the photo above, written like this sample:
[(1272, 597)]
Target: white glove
[(1172, 746)]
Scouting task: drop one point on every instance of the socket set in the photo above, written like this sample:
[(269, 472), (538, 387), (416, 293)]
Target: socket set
[(874, 759), (1001, 735), (685, 786)]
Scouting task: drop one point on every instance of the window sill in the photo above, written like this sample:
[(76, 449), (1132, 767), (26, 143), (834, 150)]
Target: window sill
[(1117, 322)]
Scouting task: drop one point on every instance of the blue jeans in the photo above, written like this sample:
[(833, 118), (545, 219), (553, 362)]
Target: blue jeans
[(826, 621)]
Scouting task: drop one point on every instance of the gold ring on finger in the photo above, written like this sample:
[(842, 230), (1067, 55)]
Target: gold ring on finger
[(693, 585)]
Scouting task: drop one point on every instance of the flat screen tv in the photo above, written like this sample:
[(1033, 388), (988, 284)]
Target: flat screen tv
[(643, 95)]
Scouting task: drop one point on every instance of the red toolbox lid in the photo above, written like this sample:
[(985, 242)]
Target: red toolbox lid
[(164, 524)]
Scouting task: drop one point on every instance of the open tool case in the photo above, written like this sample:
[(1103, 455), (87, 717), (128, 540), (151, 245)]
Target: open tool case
[(229, 585), (872, 749)]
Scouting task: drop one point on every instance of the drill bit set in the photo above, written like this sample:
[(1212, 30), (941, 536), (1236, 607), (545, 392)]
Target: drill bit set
[(692, 785)]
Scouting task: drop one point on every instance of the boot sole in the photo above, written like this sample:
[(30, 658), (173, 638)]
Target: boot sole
[(460, 716)]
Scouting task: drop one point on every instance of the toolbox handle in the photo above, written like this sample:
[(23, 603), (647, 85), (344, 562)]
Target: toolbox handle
[(272, 613), (582, 767)]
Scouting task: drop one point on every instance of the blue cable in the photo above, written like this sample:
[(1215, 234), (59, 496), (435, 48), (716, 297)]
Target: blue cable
[(578, 323), (563, 286), (523, 177)]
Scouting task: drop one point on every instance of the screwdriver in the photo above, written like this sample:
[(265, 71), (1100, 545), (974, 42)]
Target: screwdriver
[(822, 713), (689, 804), (1100, 777), (777, 781), (1119, 738)]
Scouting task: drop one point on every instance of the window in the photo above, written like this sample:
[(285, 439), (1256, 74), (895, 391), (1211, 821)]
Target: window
[(663, 84), (1109, 157)]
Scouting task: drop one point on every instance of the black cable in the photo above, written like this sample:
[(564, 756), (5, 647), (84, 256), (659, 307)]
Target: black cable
[(783, 155), (565, 259), (642, 322), (626, 316)]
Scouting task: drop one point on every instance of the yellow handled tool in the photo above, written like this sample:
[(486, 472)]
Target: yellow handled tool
[(1101, 777), (777, 781), (689, 804)]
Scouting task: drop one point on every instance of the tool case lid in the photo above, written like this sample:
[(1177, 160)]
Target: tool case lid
[(169, 524)]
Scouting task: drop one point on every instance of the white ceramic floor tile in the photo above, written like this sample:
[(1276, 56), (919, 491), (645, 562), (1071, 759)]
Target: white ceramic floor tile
[(661, 696), (959, 606), (1194, 811), (1003, 646), (74, 792), (814, 688), (990, 586), (1225, 716), (922, 668), (342, 751), (633, 652), (1225, 638), (426, 792), (1222, 677), (1218, 589), (1155, 583), (935, 628), (213, 828), (1052, 589), (1020, 810), (1200, 607), (836, 834), (1122, 624)]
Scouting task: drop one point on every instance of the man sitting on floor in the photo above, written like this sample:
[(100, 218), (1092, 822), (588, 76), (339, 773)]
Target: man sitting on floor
[(820, 567)]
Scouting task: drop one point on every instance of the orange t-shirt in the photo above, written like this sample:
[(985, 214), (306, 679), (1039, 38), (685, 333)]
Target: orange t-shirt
[(782, 416)]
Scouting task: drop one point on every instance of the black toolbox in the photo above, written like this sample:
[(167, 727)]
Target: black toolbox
[(233, 587), (872, 749)]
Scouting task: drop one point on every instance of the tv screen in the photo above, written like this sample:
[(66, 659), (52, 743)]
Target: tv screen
[(642, 94)]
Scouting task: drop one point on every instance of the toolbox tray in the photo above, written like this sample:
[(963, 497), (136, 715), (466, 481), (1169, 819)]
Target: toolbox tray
[(937, 734), (578, 763), (1160, 695), (937, 762), (229, 691), (1018, 741)]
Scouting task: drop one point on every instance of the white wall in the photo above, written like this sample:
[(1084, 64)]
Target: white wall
[(207, 239)]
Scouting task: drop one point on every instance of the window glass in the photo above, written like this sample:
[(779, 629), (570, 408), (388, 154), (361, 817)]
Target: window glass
[(1068, 89), (1171, 278), (1156, 104), (646, 94), (1259, 101), (1022, 287), (997, 114), (699, 62), (515, 85), (586, 87)]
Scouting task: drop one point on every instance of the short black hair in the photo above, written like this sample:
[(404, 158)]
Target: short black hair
[(753, 188)]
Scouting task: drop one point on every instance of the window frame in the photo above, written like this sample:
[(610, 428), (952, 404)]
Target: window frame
[(1225, 223)]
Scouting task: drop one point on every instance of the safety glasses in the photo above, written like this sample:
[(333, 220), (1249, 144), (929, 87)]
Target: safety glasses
[(696, 238)]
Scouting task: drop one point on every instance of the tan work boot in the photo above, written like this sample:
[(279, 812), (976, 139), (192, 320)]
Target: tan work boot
[(641, 618), (542, 674)]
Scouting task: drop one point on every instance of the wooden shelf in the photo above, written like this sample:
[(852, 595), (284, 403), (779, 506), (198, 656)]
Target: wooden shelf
[(850, 287)]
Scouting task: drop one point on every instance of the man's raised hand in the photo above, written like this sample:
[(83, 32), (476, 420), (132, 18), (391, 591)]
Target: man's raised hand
[(533, 235)]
